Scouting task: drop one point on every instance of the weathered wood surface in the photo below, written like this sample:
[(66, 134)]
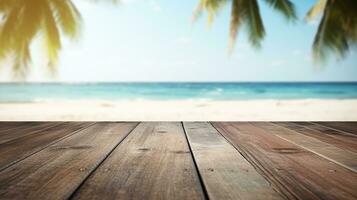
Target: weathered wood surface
[(154, 162), (331, 136), (173, 160), (225, 173), (21, 147), (337, 155), (56, 172), (349, 127), (5, 126), (24, 129), (296, 172)]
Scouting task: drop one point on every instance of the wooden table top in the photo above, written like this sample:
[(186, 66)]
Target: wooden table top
[(178, 160)]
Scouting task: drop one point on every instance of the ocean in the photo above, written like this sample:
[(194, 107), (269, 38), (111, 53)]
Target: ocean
[(36, 92)]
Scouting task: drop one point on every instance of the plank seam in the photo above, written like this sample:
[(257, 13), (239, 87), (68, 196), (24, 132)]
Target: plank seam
[(52, 143), (341, 131), (205, 193), (101, 162), (257, 168)]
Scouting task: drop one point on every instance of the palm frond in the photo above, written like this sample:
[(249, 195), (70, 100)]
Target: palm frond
[(52, 35), (235, 23), (68, 17), (337, 31), (211, 6), (251, 15), (285, 7), (24, 19), (8, 28), (316, 10)]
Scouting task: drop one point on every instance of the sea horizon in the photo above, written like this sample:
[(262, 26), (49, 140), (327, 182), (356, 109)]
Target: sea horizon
[(114, 91)]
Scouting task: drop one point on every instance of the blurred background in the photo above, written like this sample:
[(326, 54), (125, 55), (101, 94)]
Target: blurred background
[(196, 56)]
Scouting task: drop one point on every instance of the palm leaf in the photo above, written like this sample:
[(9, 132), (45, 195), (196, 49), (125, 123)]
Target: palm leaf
[(52, 35), (337, 30), (8, 28), (285, 7), (24, 19), (251, 15), (68, 17), (316, 10), (211, 6), (234, 24)]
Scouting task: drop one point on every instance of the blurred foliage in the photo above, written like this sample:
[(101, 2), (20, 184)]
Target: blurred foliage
[(21, 21), (337, 30), (336, 33), (247, 13)]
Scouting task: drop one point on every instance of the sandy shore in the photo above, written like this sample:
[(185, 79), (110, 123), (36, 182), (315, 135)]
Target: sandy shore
[(198, 110)]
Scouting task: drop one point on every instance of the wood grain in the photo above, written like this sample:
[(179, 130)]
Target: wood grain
[(5, 126), (337, 155), (322, 133), (14, 150), (24, 129), (225, 173), (58, 170), (153, 162), (350, 127), (297, 173)]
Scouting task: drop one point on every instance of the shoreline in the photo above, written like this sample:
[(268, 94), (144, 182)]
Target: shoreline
[(171, 100), (182, 110)]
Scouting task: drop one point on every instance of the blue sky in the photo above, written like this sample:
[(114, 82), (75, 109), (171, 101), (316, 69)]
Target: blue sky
[(156, 40)]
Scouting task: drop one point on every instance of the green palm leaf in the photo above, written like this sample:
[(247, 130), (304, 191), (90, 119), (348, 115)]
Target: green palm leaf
[(25, 19), (247, 13), (337, 30), (285, 7)]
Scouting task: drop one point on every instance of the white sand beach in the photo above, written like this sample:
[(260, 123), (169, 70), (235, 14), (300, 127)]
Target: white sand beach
[(184, 110)]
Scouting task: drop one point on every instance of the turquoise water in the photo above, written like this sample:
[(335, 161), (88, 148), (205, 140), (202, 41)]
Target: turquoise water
[(10, 92)]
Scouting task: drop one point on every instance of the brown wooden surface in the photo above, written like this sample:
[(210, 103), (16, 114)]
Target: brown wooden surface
[(154, 162), (173, 160), (331, 136), (27, 129), (21, 147), (218, 162), (58, 170), (5, 126), (335, 154), (296, 172), (349, 127)]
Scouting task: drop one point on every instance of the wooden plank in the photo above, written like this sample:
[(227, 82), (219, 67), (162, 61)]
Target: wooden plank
[(226, 174), (331, 136), (294, 171), (25, 129), (345, 158), (153, 162), (58, 170), (5, 126), (349, 127), (17, 149)]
